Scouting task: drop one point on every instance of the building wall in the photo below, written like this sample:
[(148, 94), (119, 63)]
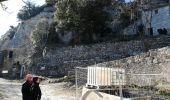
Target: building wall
[(160, 19), (152, 1)]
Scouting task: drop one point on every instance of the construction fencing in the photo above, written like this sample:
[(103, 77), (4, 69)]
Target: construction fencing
[(126, 86)]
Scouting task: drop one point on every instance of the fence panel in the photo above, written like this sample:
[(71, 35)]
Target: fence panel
[(116, 82)]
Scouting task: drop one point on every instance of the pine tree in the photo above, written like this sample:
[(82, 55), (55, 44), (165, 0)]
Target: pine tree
[(83, 18)]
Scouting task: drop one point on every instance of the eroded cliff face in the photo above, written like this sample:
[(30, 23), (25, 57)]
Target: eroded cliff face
[(21, 43), (60, 60)]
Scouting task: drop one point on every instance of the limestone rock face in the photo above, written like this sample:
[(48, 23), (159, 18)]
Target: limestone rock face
[(59, 60), (21, 43)]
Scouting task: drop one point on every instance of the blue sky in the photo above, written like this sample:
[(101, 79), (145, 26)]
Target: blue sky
[(129, 0), (9, 18)]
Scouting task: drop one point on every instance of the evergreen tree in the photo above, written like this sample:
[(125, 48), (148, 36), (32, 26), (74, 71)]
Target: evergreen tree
[(39, 36), (28, 11), (12, 32), (83, 18), (50, 2)]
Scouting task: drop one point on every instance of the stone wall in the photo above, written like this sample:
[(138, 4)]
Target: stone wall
[(152, 62), (145, 69), (61, 60)]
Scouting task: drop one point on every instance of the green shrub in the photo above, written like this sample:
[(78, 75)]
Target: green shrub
[(86, 19), (125, 19), (50, 2), (12, 32), (53, 37), (164, 91), (28, 11), (39, 36)]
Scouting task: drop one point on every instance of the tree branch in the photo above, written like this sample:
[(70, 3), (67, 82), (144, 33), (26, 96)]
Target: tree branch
[(3, 6), (2, 0), (25, 2)]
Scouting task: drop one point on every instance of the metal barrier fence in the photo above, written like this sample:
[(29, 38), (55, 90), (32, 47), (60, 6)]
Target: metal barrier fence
[(118, 83)]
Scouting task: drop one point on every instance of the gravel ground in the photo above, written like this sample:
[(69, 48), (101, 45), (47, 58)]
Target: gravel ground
[(11, 90)]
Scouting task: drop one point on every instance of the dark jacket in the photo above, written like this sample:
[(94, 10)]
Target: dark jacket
[(27, 91), (36, 92)]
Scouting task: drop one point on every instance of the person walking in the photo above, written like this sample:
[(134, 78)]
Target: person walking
[(18, 70), (27, 88), (36, 89)]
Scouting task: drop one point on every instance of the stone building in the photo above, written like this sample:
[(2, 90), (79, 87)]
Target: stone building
[(156, 17)]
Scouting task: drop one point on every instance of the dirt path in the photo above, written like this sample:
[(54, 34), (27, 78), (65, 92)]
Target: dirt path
[(11, 90)]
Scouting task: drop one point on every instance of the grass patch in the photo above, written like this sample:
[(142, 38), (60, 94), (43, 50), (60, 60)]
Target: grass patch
[(164, 91)]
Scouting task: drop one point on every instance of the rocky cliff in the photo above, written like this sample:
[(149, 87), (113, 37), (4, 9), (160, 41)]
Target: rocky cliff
[(21, 43), (57, 61)]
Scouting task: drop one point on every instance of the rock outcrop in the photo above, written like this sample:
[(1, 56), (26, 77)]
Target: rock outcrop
[(57, 61), (21, 43)]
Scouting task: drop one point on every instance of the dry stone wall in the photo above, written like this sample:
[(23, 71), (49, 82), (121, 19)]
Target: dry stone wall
[(150, 68), (61, 60), (152, 62)]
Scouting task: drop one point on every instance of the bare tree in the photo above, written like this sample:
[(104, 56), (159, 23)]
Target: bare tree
[(144, 7), (2, 0), (28, 6), (147, 14), (2, 5)]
